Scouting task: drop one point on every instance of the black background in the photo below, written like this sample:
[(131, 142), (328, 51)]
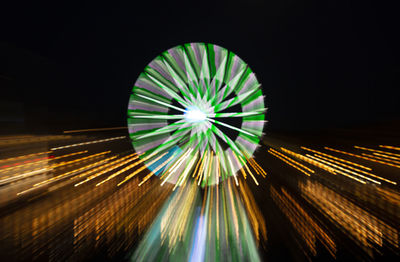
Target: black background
[(323, 64)]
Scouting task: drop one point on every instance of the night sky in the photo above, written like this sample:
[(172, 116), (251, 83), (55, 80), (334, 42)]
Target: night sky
[(323, 64)]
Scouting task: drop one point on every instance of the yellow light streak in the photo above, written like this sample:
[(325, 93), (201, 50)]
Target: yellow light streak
[(346, 170), (166, 172), (155, 171), (390, 147), (202, 167), (94, 129), (24, 156), (293, 161), (27, 165), (80, 159), (180, 161), (336, 158), (182, 177), (287, 162), (356, 169), (109, 164), (88, 143), (308, 160), (383, 155), (24, 175), (248, 169), (186, 172), (241, 169), (140, 169), (73, 171), (366, 158), (251, 174), (377, 151), (121, 171), (172, 169), (380, 158), (40, 170), (107, 168), (197, 166), (257, 165), (255, 168)]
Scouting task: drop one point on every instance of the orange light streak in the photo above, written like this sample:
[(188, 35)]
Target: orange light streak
[(293, 161), (336, 158), (287, 162), (366, 158), (356, 169), (390, 147)]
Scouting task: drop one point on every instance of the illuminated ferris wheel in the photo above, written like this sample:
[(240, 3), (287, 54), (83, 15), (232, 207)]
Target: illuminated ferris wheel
[(196, 112)]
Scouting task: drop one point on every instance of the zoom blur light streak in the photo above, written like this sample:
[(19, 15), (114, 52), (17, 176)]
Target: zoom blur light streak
[(198, 104), (365, 229), (217, 225), (306, 226)]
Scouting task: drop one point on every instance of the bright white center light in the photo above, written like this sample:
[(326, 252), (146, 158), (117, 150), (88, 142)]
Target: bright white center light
[(195, 115)]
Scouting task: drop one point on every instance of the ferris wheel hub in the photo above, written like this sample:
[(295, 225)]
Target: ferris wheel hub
[(195, 115)]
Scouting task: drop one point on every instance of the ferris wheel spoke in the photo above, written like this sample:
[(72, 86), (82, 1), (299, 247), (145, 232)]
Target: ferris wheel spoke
[(158, 116), (169, 91), (231, 127), (236, 114), (161, 102), (179, 81), (167, 129), (234, 101)]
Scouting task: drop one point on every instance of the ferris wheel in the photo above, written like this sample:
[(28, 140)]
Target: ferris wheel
[(196, 112)]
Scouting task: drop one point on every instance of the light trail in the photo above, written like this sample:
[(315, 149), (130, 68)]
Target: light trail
[(172, 169), (155, 170), (337, 169), (41, 170), (88, 143), (291, 160), (309, 160), (289, 163), (390, 147), (183, 177), (358, 170), (366, 158), (24, 175), (80, 159), (120, 171), (376, 151), (73, 172), (259, 167), (24, 156), (305, 225), (244, 166), (44, 160), (94, 129), (367, 230), (231, 127), (386, 156), (108, 167), (139, 170), (27, 163), (380, 158), (336, 158)]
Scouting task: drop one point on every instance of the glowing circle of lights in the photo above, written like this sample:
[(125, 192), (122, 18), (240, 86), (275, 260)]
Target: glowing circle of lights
[(196, 112)]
